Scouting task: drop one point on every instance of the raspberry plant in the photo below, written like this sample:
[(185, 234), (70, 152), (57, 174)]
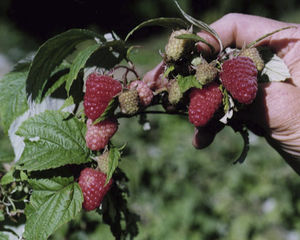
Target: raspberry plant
[(64, 103)]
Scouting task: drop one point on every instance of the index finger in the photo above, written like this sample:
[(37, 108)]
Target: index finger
[(237, 30)]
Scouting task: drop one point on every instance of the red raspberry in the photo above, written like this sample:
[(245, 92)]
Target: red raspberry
[(204, 103), (145, 93), (98, 135), (239, 77), (100, 89), (92, 184)]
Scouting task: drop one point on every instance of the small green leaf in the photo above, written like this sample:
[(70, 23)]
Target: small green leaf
[(187, 82), (114, 157), (12, 97), (108, 54), (111, 107), (51, 141), (169, 70), (78, 63), (8, 177), (201, 25), (59, 77), (53, 203), (196, 38), (163, 22), (50, 55), (68, 102), (23, 176)]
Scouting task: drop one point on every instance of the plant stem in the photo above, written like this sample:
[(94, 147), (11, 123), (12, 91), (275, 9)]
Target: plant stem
[(122, 115)]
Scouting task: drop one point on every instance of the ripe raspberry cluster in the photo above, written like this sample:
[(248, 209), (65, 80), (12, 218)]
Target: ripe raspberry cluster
[(194, 86), (211, 82), (101, 89)]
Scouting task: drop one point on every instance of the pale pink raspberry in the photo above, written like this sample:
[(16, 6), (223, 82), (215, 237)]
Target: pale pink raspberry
[(145, 93), (98, 135)]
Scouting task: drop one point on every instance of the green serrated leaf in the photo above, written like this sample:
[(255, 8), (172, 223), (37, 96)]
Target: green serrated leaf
[(187, 82), (53, 203), (244, 133), (196, 38), (59, 77), (23, 176), (163, 22), (78, 63), (50, 55), (169, 70), (68, 102), (113, 161), (201, 25), (111, 107), (51, 141), (8, 177), (13, 97), (108, 54)]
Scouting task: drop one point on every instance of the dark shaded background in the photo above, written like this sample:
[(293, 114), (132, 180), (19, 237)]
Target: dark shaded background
[(43, 19)]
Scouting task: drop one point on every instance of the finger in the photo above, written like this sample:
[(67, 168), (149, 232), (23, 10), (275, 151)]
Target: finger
[(153, 76), (204, 136), (275, 106), (239, 29)]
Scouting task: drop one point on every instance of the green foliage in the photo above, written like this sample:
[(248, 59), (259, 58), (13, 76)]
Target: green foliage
[(53, 202), (58, 141), (50, 55), (187, 82), (12, 97), (114, 157)]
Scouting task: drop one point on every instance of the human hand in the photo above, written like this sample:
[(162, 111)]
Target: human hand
[(275, 113)]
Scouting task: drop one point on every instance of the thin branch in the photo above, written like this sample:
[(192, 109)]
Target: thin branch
[(122, 115)]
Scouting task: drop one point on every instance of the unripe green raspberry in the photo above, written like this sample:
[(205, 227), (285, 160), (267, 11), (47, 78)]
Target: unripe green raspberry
[(255, 57), (129, 102), (174, 92), (102, 161), (206, 73), (175, 47)]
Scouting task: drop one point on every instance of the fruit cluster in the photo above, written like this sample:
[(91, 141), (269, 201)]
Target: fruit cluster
[(210, 84), (193, 86), (101, 90)]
